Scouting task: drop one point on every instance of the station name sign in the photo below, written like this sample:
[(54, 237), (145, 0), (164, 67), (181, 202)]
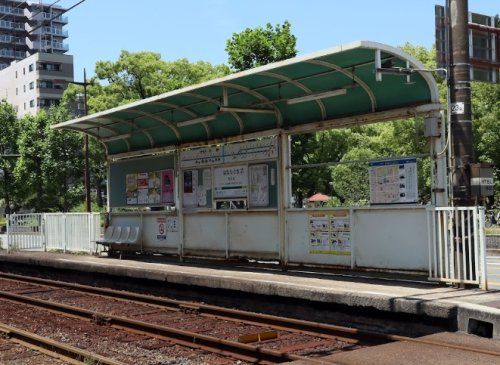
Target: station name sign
[(263, 149)]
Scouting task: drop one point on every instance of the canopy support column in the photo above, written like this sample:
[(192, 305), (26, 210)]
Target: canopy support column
[(284, 189), (179, 201), (439, 180)]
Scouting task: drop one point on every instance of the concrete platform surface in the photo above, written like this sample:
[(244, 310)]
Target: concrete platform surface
[(421, 354), (384, 295)]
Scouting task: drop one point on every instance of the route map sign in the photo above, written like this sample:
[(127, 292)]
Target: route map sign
[(393, 181), (262, 149)]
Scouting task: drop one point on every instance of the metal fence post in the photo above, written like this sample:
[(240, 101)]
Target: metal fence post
[(43, 232), (7, 233), (483, 283), (64, 232)]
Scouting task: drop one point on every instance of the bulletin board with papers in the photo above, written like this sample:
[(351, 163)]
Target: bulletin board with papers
[(147, 181), (150, 188)]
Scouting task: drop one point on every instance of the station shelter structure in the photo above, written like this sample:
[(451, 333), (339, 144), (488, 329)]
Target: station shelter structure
[(215, 158)]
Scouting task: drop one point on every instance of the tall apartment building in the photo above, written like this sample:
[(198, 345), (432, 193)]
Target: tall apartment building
[(34, 71), (36, 82), (28, 27)]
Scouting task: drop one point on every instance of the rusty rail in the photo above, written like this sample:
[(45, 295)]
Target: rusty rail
[(347, 334), (237, 350), (53, 348)]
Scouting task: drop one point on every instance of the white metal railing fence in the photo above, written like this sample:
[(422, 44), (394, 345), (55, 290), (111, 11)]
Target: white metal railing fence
[(25, 231), (457, 245), (75, 232)]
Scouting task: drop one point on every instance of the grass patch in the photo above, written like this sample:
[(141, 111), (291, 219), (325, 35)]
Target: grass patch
[(493, 230)]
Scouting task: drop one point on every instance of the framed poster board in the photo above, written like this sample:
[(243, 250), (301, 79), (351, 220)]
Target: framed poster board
[(125, 176), (393, 181), (150, 188), (259, 185)]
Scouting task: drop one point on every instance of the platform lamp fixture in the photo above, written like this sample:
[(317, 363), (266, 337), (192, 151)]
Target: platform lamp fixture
[(86, 142)]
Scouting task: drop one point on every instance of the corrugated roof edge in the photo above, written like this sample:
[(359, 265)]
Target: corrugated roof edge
[(433, 88)]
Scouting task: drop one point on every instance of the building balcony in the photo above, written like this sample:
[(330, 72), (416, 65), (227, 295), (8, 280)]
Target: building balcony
[(55, 31), (6, 24), (8, 53), (45, 17), (8, 39), (8, 10), (44, 45)]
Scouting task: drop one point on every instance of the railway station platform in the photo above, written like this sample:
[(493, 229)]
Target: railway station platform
[(470, 308)]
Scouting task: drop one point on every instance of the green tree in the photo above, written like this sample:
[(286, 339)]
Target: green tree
[(49, 165), (486, 124), (9, 131), (351, 181), (260, 46)]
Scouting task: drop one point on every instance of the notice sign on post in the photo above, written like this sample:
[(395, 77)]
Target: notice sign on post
[(393, 181), (161, 229)]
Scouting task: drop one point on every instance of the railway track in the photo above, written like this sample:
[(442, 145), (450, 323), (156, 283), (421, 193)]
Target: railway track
[(249, 353), (54, 349)]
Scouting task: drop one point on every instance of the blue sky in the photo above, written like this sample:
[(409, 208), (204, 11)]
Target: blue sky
[(198, 29)]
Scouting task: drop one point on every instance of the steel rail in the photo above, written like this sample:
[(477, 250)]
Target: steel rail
[(329, 331), (52, 348), (185, 338), (343, 333)]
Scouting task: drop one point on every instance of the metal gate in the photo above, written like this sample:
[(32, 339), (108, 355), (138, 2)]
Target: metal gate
[(25, 232), (457, 245), (75, 232)]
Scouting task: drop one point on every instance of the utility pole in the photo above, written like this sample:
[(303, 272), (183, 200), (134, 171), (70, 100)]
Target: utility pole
[(460, 98), (86, 174)]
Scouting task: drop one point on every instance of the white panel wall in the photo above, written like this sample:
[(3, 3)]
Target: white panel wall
[(391, 238), (205, 231), (232, 233), (381, 237), (254, 232)]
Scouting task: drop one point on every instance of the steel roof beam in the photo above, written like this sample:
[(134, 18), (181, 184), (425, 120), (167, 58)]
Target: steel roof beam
[(255, 94), (216, 102), (301, 86), (165, 122), (352, 76)]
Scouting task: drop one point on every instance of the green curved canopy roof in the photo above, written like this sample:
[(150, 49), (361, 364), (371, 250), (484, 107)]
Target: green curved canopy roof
[(339, 85)]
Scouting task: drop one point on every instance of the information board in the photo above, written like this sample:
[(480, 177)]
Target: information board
[(230, 182), (330, 233), (393, 181), (230, 153)]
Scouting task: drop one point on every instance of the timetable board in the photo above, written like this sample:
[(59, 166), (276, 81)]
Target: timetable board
[(393, 181), (330, 233)]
